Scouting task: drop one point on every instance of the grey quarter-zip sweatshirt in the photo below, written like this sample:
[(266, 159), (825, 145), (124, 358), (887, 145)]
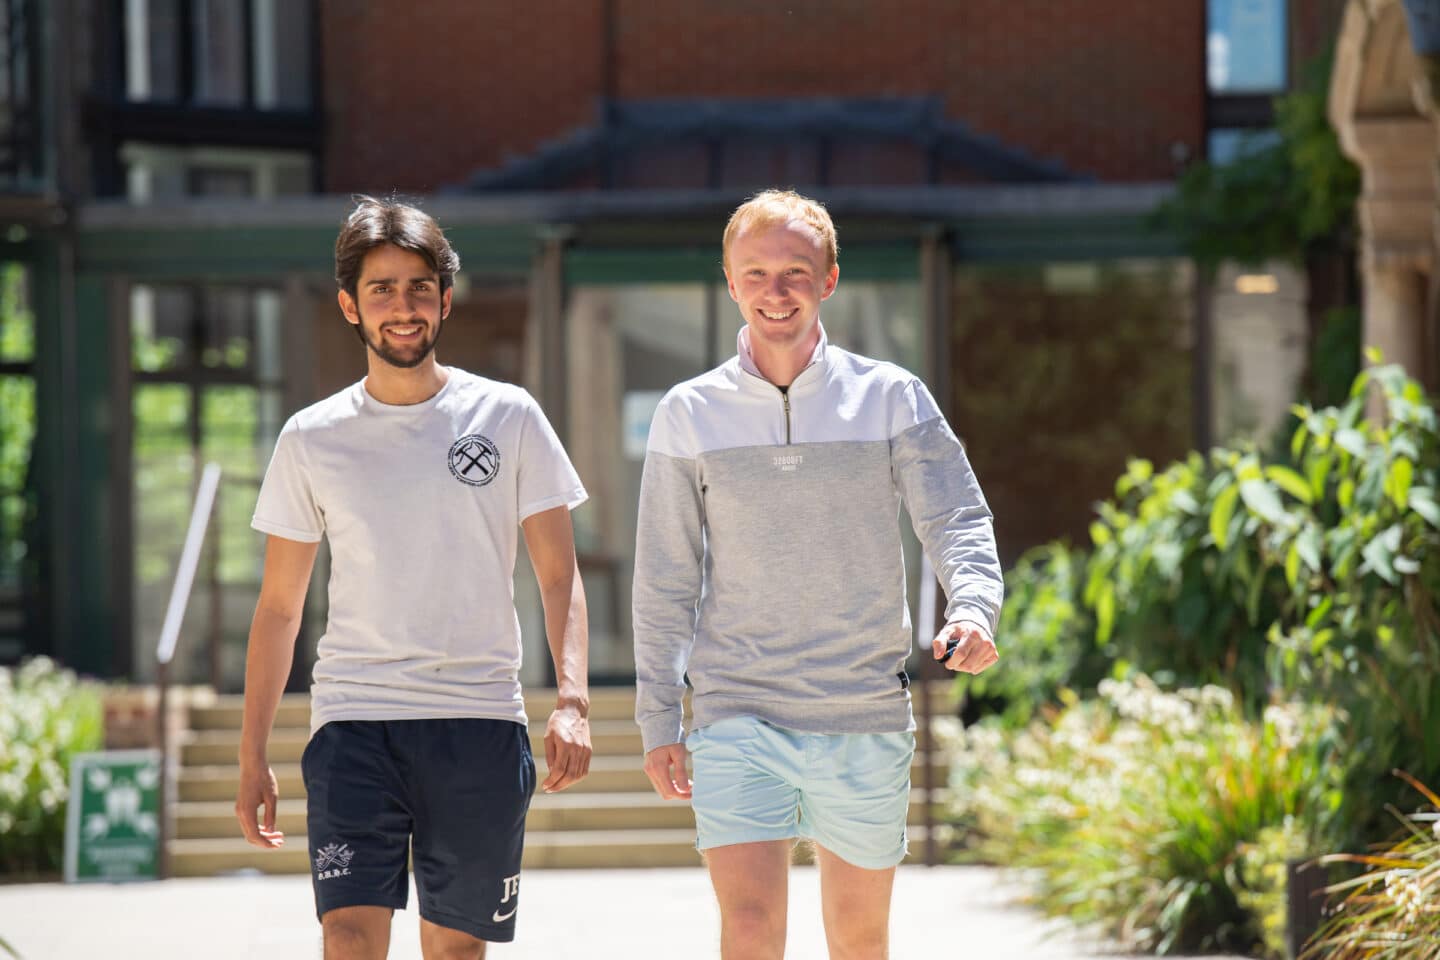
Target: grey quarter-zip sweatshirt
[(768, 561)]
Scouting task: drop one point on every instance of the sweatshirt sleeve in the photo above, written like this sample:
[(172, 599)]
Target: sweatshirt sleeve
[(947, 508), (669, 560)]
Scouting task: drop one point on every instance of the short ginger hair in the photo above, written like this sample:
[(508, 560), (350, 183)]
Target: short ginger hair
[(772, 207)]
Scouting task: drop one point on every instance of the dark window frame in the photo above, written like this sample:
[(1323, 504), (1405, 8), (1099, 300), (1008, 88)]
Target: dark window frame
[(111, 119), (22, 154)]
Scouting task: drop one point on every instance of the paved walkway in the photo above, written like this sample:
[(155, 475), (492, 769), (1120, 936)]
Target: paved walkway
[(595, 914)]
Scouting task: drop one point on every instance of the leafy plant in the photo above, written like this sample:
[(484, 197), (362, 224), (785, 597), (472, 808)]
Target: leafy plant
[(1358, 539), (1136, 810), (1391, 912), (1048, 637), (46, 717), (1313, 576)]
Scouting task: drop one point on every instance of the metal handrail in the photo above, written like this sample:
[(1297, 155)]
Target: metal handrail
[(170, 634)]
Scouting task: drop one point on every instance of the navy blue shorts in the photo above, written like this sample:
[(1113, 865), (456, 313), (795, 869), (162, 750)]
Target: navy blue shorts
[(452, 792)]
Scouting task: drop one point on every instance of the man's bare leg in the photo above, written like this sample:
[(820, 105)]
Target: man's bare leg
[(856, 905), (444, 943), (752, 886), (356, 933)]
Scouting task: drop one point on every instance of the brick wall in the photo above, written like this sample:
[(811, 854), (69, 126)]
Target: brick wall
[(422, 93)]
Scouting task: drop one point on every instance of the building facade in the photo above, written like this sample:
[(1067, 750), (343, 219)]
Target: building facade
[(993, 169)]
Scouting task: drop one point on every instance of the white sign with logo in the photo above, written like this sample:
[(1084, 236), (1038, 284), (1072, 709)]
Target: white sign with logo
[(112, 823)]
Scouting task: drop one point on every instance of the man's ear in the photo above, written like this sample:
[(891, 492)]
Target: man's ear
[(831, 278), (348, 307), (445, 302)]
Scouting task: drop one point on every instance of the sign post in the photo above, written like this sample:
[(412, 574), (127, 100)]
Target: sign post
[(112, 827)]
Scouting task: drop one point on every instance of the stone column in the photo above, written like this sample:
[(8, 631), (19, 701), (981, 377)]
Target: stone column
[(1378, 106), (1397, 238)]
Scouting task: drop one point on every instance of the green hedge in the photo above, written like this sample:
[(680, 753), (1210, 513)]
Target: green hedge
[(46, 717)]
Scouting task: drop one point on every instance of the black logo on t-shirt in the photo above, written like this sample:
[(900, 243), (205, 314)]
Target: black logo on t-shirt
[(474, 460)]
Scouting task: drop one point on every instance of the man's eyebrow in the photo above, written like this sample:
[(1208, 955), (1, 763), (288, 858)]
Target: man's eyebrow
[(390, 281), (761, 261)]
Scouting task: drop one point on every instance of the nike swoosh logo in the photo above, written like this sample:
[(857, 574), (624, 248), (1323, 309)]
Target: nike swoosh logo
[(497, 918)]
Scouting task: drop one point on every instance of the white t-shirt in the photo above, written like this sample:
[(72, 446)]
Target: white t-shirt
[(422, 505)]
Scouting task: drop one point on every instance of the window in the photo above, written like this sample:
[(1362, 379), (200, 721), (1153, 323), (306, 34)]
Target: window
[(17, 435), (205, 387), (1245, 46), (219, 53), (627, 344), (20, 145), (1060, 372), (1229, 144), (157, 173), (1260, 345)]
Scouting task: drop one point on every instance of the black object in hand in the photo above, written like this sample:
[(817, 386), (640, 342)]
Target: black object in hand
[(950, 647)]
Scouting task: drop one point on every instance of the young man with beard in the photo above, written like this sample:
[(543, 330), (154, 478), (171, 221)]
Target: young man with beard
[(419, 475), (768, 567)]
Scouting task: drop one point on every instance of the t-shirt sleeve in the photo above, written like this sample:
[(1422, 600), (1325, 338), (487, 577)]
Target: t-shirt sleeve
[(546, 478), (287, 506)]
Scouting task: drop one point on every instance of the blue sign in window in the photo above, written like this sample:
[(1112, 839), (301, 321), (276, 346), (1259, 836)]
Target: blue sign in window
[(1245, 46)]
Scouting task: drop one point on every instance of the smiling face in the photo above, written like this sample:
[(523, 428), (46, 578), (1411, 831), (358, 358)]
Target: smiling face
[(778, 274), (397, 308)]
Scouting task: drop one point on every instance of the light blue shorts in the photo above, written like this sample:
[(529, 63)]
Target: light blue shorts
[(848, 792)]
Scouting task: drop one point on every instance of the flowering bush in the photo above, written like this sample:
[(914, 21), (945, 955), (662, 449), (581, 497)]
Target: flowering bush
[(1142, 812), (46, 716)]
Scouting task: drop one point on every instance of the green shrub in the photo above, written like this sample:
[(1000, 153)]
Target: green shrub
[(1048, 637), (1311, 577), (46, 717), (1357, 537), (1174, 596), (1392, 912), (1137, 811)]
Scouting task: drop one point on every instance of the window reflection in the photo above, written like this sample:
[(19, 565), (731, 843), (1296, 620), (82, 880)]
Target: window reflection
[(205, 364), (1062, 371), (627, 345), (1245, 46)]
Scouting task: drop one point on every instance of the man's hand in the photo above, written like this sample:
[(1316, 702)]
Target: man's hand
[(665, 766), (974, 651), (257, 789), (567, 748)]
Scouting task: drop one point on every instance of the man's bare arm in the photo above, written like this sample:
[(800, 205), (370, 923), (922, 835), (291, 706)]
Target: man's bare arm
[(551, 542), (267, 665)]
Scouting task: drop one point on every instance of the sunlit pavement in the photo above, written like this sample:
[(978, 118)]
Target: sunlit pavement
[(939, 913)]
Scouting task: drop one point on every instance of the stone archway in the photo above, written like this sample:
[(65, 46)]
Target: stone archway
[(1384, 110)]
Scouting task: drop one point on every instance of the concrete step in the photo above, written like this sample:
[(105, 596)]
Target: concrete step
[(607, 775), (606, 703), (548, 813), (215, 747), (571, 849)]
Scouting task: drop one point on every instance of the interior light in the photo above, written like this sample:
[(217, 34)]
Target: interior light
[(1256, 283)]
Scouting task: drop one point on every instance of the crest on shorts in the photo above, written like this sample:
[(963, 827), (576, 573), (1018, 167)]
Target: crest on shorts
[(474, 460), (333, 860)]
